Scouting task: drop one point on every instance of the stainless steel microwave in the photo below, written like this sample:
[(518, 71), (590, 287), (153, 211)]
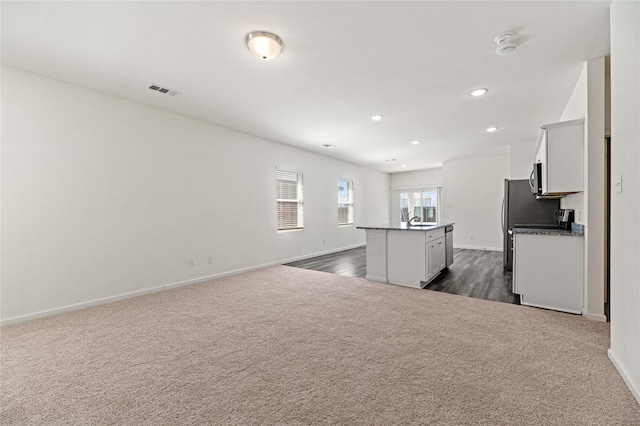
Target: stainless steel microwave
[(535, 180)]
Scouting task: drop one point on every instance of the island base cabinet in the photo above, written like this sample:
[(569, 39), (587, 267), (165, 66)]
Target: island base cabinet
[(377, 255), (406, 258), (436, 258), (414, 258), (409, 257)]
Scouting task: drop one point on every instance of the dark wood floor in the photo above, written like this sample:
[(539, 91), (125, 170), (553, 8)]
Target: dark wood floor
[(351, 263), (478, 274), (474, 273)]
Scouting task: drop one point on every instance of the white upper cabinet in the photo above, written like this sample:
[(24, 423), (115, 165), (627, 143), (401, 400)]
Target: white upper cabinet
[(560, 149)]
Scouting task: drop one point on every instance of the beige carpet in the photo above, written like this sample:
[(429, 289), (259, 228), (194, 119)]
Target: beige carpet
[(292, 346)]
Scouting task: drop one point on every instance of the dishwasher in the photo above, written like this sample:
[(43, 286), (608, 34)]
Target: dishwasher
[(448, 244)]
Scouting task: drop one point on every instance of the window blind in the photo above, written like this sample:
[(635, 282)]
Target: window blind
[(289, 199)]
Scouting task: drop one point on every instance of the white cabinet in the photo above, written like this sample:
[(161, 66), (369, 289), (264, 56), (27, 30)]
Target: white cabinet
[(548, 271), (377, 255), (441, 250), (406, 258), (414, 257), (436, 257), (436, 253), (560, 151)]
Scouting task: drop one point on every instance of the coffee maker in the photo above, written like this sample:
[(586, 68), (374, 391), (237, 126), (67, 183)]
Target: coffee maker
[(565, 218)]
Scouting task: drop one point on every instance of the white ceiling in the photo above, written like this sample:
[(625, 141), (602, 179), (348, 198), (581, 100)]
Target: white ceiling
[(413, 62)]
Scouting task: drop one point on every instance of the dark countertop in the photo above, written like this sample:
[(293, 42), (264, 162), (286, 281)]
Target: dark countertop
[(576, 232), (403, 227)]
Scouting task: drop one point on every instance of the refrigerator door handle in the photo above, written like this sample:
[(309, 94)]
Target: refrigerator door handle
[(502, 217), (531, 179)]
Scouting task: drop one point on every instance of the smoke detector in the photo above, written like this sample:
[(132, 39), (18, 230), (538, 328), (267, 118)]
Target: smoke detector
[(504, 44)]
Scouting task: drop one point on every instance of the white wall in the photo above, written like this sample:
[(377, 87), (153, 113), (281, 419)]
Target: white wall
[(625, 220), (588, 101), (104, 197), (595, 196), (576, 108), (419, 179), (521, 159), (472, 191)]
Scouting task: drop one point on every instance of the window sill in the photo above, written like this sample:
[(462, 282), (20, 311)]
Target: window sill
[(290, 230)]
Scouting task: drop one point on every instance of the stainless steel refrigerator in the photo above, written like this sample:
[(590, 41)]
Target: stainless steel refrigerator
[(520, 207)]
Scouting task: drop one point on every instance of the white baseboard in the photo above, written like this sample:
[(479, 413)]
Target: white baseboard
[(478, 248), (76, 306), (82, 305), (594, 317), (253, 268), (633, 387)]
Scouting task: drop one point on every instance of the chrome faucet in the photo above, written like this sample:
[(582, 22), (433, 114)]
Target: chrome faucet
[(409, 221)]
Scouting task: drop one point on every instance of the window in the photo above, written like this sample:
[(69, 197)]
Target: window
[(420, 203), (289, 200), (345, 202)]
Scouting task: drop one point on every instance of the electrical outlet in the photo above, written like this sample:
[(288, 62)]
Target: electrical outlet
[(324, 242), (372, 239), (210, 260), (191, 262), (471, 237)]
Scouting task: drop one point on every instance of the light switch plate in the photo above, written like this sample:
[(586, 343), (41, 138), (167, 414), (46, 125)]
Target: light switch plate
[(617, 184)]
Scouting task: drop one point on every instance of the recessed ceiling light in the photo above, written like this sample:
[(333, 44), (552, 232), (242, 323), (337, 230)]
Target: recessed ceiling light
[(404, 165), (376, 117), (491, 129), (328, 145), (416, 142), (478, 92)]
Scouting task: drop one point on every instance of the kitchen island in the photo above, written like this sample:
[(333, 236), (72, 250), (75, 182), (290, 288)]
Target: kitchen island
[(409, 255)]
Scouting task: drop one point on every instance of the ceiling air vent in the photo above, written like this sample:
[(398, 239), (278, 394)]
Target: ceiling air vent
[(164, 90)]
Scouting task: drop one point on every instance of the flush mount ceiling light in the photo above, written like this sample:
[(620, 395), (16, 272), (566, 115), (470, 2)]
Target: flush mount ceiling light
[(377, 117), (504, 44), (264, 46), (416, 142), (478, 92), (491, 129)]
